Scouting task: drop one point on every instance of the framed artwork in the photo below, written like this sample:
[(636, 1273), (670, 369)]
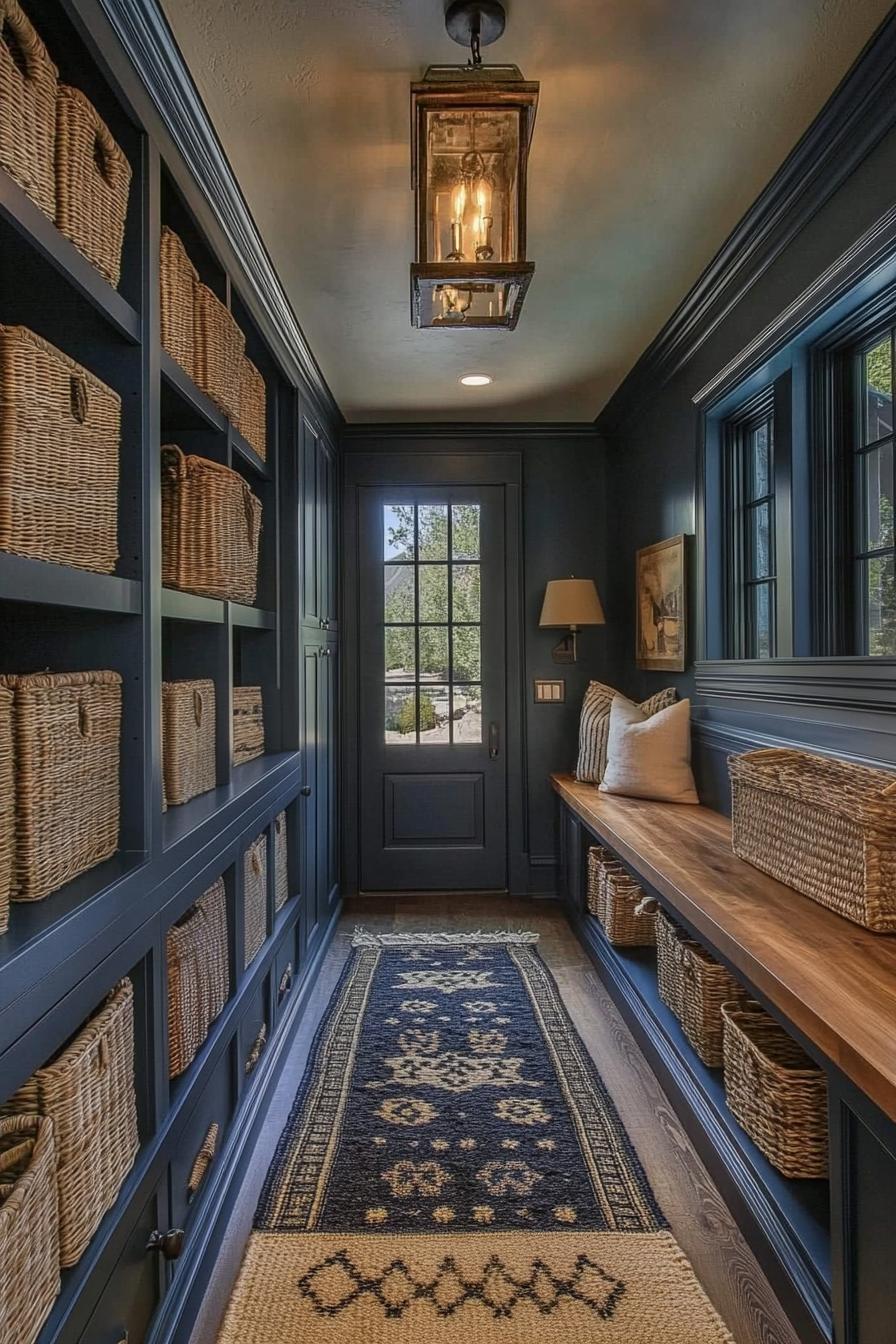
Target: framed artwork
[(660, 598)]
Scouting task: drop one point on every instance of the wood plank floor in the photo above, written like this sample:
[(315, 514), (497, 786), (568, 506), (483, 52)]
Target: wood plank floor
[(696, 1212)]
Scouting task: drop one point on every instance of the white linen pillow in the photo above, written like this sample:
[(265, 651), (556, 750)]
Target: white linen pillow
[(650, 757)]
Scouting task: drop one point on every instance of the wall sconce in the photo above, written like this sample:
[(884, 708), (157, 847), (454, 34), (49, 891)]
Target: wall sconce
[(573, 603)]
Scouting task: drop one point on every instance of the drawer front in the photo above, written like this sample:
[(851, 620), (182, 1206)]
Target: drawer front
[(254, 1034), (130, 1298), (200, 1140), (285, 974)]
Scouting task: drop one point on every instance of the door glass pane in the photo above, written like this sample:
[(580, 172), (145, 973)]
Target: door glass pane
[(880, 607), (467, 713), (398, 531), (877, 496), (465, 597), (398, 593), (760, 597), (877, 368), (760, 541), (401, 662), (432, 532), (433, 593), (465, 531), (466, 663), (435, 714), (401, 714), (433, 653), (759, 461)]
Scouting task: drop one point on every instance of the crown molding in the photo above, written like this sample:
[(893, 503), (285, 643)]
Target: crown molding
[(855, 118), (143, 32), (360, 435)]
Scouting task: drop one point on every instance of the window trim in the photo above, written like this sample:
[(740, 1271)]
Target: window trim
[(737, 503)]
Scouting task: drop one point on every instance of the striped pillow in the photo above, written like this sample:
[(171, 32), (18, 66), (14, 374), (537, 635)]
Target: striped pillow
[(594, 726)]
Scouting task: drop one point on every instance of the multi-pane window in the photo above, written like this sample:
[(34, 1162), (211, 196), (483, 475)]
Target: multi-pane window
[(752, 573), (873, 496), (432, 613)]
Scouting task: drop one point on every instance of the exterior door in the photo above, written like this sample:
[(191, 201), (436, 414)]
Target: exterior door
[(432, 689)]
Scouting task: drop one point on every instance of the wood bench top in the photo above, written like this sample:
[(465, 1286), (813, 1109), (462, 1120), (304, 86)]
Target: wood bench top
[(835, 981)]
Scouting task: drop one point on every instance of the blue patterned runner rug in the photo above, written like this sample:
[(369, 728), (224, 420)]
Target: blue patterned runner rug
[(455, 1172)]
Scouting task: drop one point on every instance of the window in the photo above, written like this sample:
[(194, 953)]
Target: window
[(431, 613), (751, 551), (874, 580)]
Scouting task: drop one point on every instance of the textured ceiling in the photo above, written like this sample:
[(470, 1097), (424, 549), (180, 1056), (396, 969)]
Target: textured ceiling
[(659, 122)]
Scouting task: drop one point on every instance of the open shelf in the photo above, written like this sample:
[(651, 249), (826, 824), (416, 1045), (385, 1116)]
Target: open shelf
[(252, 618), (25, 580), (178, 606), (181, 822), (244, 450), (185, 403)]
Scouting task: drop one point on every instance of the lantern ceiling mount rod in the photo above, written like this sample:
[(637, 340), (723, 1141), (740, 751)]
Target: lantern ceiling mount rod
[(475, 24)]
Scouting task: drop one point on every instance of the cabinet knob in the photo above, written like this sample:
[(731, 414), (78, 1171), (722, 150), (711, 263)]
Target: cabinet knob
[(168, 1244), (305, 790)]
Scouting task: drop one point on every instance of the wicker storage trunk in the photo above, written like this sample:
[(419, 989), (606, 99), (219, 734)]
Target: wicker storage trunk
[(198, 975), (188, 739), (7, 806), (255, 896), (29, 1222), (177, 281), (775, 1092), (281, 862), (253, 422), (28, 81), (248, 724), (211, 524), (614, 898), (219, 347), (823, 826), (67, 729), (93, 180), (88, 1093), (60, 432)]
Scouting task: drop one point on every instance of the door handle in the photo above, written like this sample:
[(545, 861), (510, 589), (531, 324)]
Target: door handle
[(305, 790), (494, 741)]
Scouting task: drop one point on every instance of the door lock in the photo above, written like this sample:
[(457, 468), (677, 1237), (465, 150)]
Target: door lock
[(494, 741)]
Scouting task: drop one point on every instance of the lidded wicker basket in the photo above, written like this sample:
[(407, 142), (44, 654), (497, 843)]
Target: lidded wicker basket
[(198, 975), (188, 738), (7, 806), (67, 730), (255, 896), (29, 1223), (775, 1092), (60, 434), (281, 862), (211, 524), (93, 181), (248, 724), (823, 826), (28, 82), (219, 346), (88, 1093), (252, 422), (177, 280)]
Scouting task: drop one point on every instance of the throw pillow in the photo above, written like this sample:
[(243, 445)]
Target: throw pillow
[(594, 726), (650, 757)]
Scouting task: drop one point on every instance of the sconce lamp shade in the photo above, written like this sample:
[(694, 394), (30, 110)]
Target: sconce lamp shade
[(571, 603)]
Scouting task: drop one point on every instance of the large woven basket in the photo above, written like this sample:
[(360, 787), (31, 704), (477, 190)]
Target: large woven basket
[(88, 1093), (7, 806), (28, 80), (177, 280), (255, 896), (281, 862), (60, 432), (248, 724), (823, 826), (211, 524), (93, 180), (198, 975), (252, 422), (615, 899), (695, 986), (669, 938), (188, 738), (29, 1223), (219, 347), (67, 729), (775, 1092)]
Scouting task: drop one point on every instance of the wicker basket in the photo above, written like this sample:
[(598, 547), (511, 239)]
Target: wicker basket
[(695, 986), (7, 807), (60, 431), (219, 346), (188, 739), (281, 862), (211, 524), (255, 896), (669, 938), (28, 80), (598, 858), (88, 1093), (67, 728), (248, 724), (177, 280), (253, 420), (93, 180), (198, 975), (614, 898), (29, 1221), (823, 826), (775, 1092)]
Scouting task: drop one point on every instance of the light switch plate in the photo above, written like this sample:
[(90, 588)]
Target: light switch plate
[(549, 692)]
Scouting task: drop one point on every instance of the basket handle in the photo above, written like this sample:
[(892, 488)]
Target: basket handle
[(104, 153), (16, 39), (198, 706), (889, 791), (85, 719), (251, 516), (285, 984), (257, 1047), (78, 397), (648, 905), (204, 1159), (102, 1054), (256, 863)]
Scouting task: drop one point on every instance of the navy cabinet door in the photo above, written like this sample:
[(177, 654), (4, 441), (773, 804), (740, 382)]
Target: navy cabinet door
[(310, 799)]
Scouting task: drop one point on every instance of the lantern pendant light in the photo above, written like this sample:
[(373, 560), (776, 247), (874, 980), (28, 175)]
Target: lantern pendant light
[(471, 126)]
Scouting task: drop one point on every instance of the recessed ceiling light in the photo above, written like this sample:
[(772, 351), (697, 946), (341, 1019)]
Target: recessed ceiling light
[(476, 380)]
